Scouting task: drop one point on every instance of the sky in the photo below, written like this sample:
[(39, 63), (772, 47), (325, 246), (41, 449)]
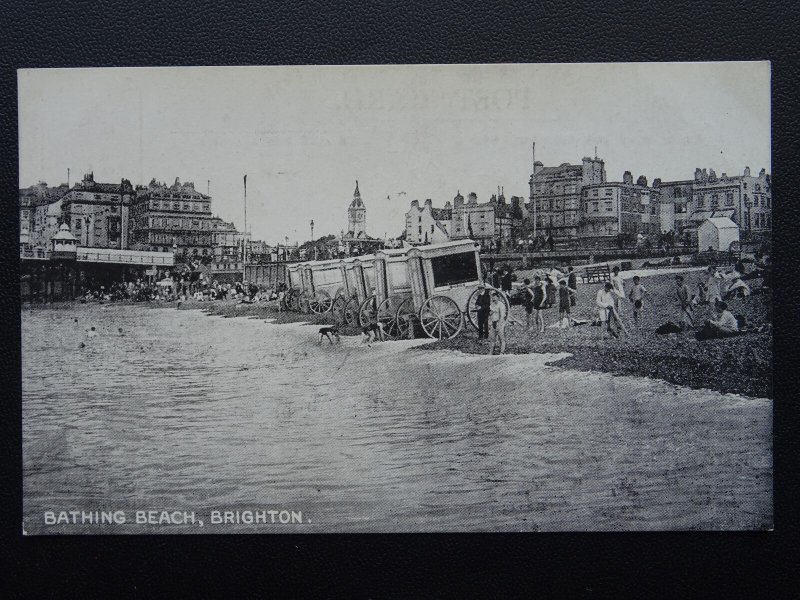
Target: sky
[(304, 135)]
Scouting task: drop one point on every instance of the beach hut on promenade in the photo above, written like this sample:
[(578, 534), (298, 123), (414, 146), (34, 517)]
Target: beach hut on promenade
[(717, 233)]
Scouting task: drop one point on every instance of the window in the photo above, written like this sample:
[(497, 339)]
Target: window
[(420, 230), (454, 268), (419, 219), (755, 200), (609, 192), (185, 206), (175, 206), (594, 193), (595, 206), (77, 223), (97, 196), (431, 228), (714, 201), (585, 193), (609, 206), (758, 188), (768, 201), (729, 199)]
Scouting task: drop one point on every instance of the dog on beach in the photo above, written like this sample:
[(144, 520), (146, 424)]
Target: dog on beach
[(326, 332)]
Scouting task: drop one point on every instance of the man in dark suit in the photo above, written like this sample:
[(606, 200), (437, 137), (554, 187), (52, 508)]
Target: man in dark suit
[(484, 302)]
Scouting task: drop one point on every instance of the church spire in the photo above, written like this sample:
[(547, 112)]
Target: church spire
[(356, 194)]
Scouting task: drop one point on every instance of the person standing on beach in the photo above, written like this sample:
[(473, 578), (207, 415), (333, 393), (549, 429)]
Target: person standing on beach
[(538, 303), (619, 289), (637, 298), (528, 303), (572, 283), (505, 282), (483, 302), (281, 301), (565, 293), (605, 309), (550, 300), (713, 287), (500, 318), (684, 298)]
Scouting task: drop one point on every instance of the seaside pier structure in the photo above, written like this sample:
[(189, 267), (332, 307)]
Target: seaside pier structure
[(66, 268)]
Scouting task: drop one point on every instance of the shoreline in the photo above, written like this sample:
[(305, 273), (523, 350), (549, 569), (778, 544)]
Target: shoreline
[(740, 365)]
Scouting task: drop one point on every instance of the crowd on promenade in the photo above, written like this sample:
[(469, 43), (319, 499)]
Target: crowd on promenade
[(553, 288)]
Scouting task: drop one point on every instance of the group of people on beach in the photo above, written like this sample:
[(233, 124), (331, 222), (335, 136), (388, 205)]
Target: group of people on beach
[(714, 290)]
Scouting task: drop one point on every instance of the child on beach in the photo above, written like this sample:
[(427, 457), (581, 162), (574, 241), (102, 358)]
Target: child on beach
[(572, 283), (551, 293), (499, 317), (281, 301), (637, 297), (327, 331), (371, 333), (565, 295), (618, 285), (528, 291), (538, 303)]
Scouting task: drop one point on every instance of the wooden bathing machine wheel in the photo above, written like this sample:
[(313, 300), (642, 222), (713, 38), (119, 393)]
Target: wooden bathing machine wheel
[(472, 304), (293, 299), (440, 317), (321, 302), (350, 311), (387, 316)]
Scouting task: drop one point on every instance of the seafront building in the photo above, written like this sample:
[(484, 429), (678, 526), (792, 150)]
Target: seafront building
[(176, 217), (98, 214), (492, 224), (577, 203), (555, 195)]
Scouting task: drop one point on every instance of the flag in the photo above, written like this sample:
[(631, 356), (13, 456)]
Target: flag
[(469, 226), (245, 184)]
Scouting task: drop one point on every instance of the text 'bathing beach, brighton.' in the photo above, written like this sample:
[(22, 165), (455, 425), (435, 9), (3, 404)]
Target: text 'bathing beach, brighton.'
[(548, 311)]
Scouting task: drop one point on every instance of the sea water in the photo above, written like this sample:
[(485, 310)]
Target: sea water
[(243, 424)]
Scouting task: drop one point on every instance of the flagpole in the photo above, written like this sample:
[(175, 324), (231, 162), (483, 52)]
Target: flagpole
[(533, 188), (244, 248)]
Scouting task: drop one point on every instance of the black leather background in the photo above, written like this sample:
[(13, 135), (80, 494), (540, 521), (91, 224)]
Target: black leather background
[(126, 33)]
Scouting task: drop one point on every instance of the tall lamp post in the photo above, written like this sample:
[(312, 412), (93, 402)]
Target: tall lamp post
[(312, 239)]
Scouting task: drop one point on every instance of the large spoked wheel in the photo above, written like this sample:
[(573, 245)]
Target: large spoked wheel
[(472, 305), (387, 316), (293, 299), (368, 311), (440, 317), (404, 317), (350, 312), (321, 303)]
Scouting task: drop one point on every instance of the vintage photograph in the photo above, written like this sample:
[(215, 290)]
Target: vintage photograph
[(273, 300)]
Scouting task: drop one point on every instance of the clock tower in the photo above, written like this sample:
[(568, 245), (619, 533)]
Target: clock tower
[(356, 215)]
